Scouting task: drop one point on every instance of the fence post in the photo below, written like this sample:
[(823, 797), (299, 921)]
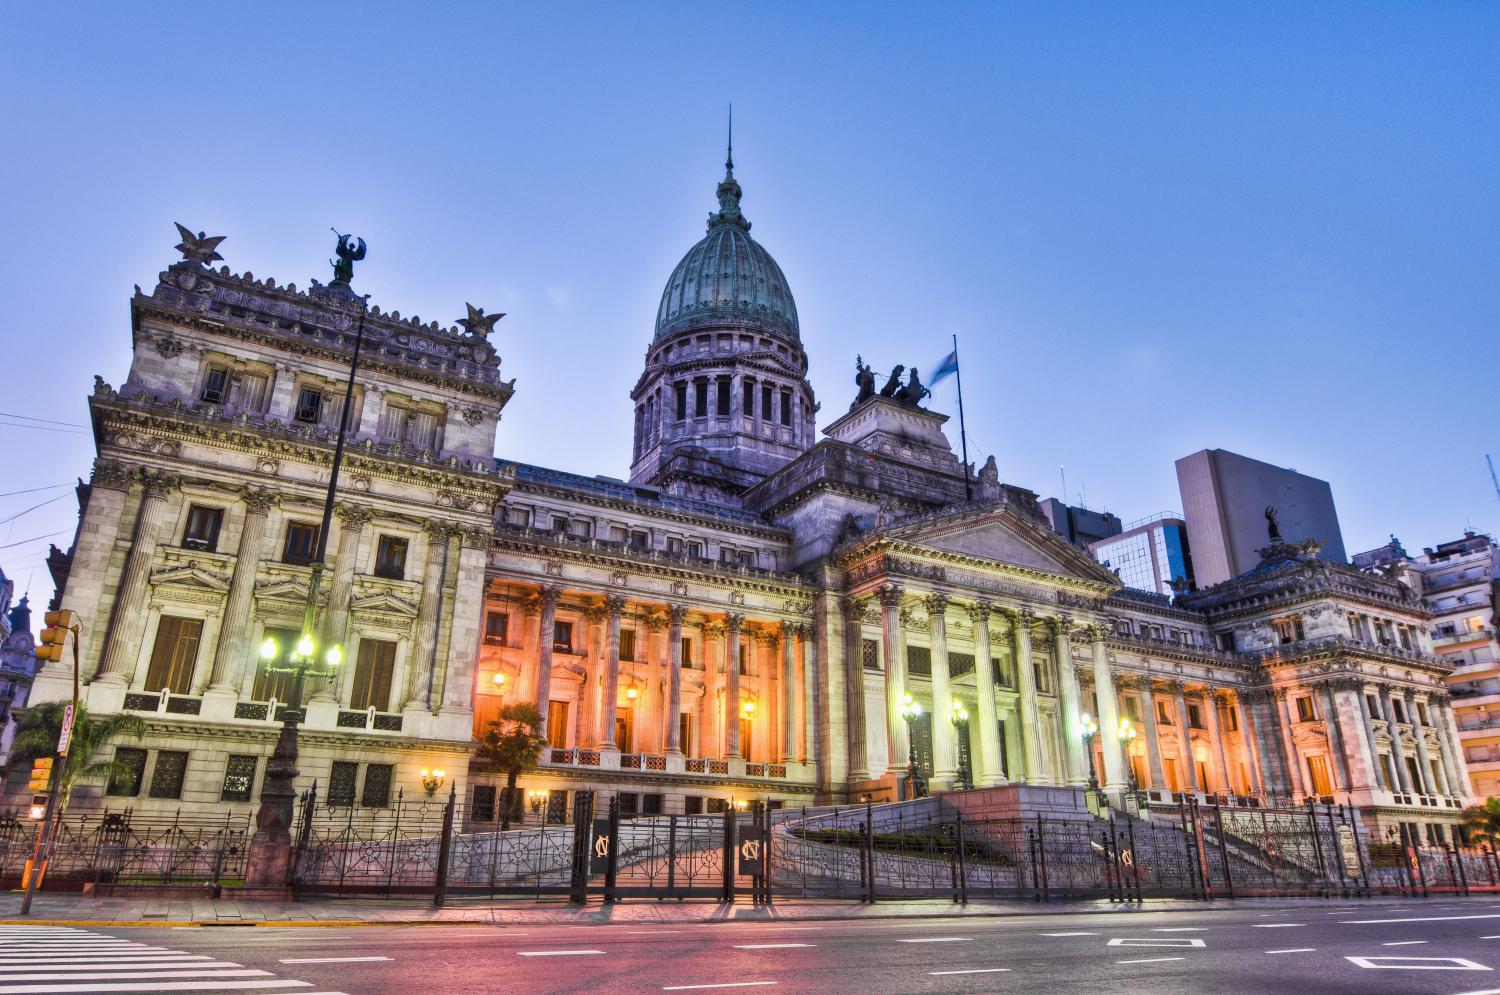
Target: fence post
[(1494, 864), (440, 887), (1041, 849), (729, 851), (612, 869), (767, 855), (1312, 825), (963, 870), (671, 852), (1135, 858), (1111, 858), (1458, 862), (583, 825), (868, 848), (1223, 850), (1359, 850)]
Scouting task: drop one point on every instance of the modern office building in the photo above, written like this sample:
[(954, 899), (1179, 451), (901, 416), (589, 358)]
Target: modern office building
[(1225, 497), (1080, 526), (1151, 554)]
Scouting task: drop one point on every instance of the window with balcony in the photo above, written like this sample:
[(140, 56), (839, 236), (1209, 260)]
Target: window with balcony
[(1289, 630), (496, 628), (640, 541), (390, 558), (215, 385), (687, 651), (372, 675), (1305, 710), (518, 516), (301, 546), (202, 530), (310, 402), (1225, 641), (1195, 716), (695, 550), (1163, 715), (174, 654), (627, 645), (746, 557), (562, 636), (674, 546)]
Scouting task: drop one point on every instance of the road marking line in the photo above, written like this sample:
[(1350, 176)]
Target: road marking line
[(150, 965), (1157, 941), (1178, 929), (726, 984), (1490, 937), (650, 932), (1367, 922), (1149, 960), (331, 960), (556, 953), (771, 946), (1403, 943), (1293, 950), (158, 986), (1431, 964), (133, 975), (1068, 934), (972, 970), (939, 939), (1274, 925)]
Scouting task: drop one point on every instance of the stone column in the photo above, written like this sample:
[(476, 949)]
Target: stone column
[(1398, 751), (597, 617), (1336, 745), (93, 551), (1116, 777), (650, 704), (542, 697), (1289, 743), (1424, 765), (352, 519), (674, 679), (1071, 703), (732, 624), (944, 758), (1251, 737), (766, 714), (854, 671), (893, 637), (710, 739), (1031, 720), (1378, 774), (1457, 767), (1223, 784), (989, 773), (232, 651), (128, 617), (788, 708), (424, 641), (807, 704), (609, 694), (1153, 742), (1185, 739), (460, 662)]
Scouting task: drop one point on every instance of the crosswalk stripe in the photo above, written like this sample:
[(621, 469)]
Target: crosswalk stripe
[(122, 955), (170, 965), (136, 975), (152, 986)]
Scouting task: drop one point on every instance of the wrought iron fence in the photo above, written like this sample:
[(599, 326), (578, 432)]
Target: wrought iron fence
[(126, 849)]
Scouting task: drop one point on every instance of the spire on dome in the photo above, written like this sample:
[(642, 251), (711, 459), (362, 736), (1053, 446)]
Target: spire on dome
[(729, 192)]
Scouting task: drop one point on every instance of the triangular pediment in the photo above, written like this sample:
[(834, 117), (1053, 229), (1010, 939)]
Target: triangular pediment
[(1000, 534), (384, 603), (190, 575), (282, 589)]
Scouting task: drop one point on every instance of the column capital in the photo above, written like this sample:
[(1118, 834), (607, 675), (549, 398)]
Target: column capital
[(655, 620), (890, 595), (733, 621), (478, 537), (596, 614), (771, 638), (714, 629), (1145, 682), (354, 516), (789, 629), (979, 611), (1026, 616), (438, 529), (615, 604), (676, 613), (159, 483), (111, 474), (1061, 625), (549, 595), (259, 500), (1097, 632), (936, 604), (1175, 686), (850, 609)]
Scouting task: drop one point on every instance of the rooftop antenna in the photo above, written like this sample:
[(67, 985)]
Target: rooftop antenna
[(1062, 472), (1493, 479), (729, 160)]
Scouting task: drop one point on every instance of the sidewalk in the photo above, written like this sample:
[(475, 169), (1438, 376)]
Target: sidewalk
[(56, 909)]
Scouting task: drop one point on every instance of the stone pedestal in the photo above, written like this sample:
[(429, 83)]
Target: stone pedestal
[(267, 863)]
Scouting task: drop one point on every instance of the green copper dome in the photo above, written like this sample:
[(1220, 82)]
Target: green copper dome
[(727, 279)]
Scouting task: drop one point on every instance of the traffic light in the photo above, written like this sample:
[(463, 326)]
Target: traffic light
[(41, 774), (55, 636)]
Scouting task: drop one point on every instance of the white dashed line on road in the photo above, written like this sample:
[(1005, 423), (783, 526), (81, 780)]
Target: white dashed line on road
[(1157, 941), (1068, 934), (722, 984), (1178, 929), (772, 946), (1149, 960), (1275, 925), (1403, 943), (1293, 950), (557, 953), (331, 960), (1418, 963), (972, 970), (938, 939), (1370, 922)]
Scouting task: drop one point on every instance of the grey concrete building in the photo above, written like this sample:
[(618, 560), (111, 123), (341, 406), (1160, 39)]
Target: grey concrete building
[(1224, 499)]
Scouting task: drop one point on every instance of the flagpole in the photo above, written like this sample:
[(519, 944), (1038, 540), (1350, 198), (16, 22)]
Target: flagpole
[(963, 435)]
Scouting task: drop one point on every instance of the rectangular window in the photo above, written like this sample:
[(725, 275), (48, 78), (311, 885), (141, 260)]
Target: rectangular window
[(239, 779), (377, 792), (559, 525), (519, 516), (1195, 717), (695, 550), (747, 557), (674, 546), (562, 636), (630, 804), (309, 405), (722, 392), (700, 398), (126, 782), (301, 546), (390, 558), (270, 683), (1305, 712), (749, 399), (681, 390), (202, 530), (639, 540), (1162, 715), (687, 652), (215, 385), (765, 401), (341, 783), (483, 809), (175, 653), (651, 804), (496, 628), (557, 724), (1225, 641), (372, 675), (786, 407), (919, 660), (692, 805), (168, 774), (627, 645), (869, 651), (744, 666)]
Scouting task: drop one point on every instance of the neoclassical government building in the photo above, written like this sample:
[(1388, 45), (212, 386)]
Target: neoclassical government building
[(752, 614)]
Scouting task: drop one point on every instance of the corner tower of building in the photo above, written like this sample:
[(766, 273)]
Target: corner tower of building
[(724, 400)]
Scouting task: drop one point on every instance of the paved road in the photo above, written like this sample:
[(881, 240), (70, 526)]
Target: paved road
[(1367, 947)]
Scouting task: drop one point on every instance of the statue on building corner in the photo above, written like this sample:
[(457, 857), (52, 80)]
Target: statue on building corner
[(913, 393), (864, 379), (199, 248), (350, 250), (1272, 529), (893, 384), (479, 324)]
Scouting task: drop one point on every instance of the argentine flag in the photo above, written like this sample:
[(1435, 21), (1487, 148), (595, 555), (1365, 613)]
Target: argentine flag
[(946, 368)]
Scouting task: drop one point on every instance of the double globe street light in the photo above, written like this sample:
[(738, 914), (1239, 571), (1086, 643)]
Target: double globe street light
[(911, 710), (1125, 732)]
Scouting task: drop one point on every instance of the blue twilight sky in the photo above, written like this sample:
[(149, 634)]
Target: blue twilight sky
[(1155, 228)]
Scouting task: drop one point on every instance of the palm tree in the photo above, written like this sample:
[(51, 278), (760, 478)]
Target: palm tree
[(1482, 822), (38, 729), (511, 744)]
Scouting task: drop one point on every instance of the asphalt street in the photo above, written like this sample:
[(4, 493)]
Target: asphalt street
[(1366, 947)]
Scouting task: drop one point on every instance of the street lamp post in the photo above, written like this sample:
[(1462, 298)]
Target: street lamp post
[(1090, 729), (910, 710), (1126, 734), (269, 857), (961, 731)]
